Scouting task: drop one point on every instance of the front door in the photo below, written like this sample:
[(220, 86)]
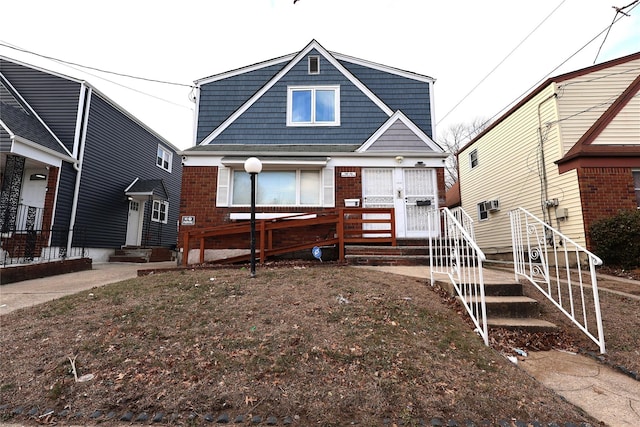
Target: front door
[(34, 189), (134, 223), (412, 192)]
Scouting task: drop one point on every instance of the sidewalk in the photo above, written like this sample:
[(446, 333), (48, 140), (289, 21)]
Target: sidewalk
[(31, 292)]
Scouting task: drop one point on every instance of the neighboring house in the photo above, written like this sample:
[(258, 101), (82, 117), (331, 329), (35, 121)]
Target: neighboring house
[(569, 153), (331, 131), (78, 170)]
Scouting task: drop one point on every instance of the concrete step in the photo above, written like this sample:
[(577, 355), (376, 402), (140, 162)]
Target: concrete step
[(524, 323), (503, 289), (388, 260), (510, 306)]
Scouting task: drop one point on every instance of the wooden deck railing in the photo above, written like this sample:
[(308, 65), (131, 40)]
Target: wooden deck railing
[(343, 226)]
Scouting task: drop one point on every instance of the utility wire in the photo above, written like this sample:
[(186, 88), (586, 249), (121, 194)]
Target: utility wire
[(552, 71), (619, 10), (501, 62), (10, 46)]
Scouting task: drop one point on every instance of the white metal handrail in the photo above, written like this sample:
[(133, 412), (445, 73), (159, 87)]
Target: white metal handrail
[(561, 269), (457, 255)]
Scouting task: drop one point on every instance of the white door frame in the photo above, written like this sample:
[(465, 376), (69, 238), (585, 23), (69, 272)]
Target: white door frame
[(393, 194), (135, 221)]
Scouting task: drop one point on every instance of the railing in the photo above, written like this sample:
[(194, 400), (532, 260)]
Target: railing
[(561, 269), (343, 225), (21, 217), (457, 255), (33, 246), (465, 220)]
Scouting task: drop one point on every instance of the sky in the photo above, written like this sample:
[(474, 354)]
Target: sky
[(484, 55)]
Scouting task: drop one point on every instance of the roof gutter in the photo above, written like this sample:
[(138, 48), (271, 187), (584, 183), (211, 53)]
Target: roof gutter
[(81, 137)]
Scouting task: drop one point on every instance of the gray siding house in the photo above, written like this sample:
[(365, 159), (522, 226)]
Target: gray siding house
[(330, 130), (78, 170)]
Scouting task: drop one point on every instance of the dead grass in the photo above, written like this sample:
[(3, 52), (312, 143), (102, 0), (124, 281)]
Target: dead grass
[(327, 345)]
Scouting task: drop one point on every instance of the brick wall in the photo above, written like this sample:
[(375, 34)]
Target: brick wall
[(198, 199), (604, 192), (348, 187)]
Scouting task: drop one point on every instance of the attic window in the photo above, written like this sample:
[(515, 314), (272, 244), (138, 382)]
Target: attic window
[(314, 65), (313, 106)]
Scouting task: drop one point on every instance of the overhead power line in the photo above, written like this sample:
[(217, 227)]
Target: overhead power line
[(500, 63), (5, 44)]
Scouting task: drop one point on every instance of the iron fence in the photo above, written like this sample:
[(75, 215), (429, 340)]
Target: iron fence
[(27, 246)]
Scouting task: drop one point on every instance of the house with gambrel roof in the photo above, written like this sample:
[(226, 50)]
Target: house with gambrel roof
[(330, 130)]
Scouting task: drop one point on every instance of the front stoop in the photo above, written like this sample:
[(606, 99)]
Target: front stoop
[(508, 308), (401, 255), (142, 255)]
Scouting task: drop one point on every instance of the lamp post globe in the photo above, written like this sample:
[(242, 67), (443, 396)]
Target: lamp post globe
[(253, 166)]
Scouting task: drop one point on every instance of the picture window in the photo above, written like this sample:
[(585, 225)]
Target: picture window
[(278, 188)]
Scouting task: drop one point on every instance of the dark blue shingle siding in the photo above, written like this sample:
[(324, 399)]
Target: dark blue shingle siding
[(117, 151), (235, 91), (265, 121), (410, 96), (54, 99)]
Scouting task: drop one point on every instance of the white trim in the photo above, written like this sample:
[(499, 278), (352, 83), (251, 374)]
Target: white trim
[(387, 69), (243, 70), (234, 216), (165, 151), (313, 89), (399, 115), (313, 45), (317, 59), (299, 163), (35, 151)]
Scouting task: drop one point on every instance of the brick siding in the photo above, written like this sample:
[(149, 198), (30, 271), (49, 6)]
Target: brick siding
[(604, 192)]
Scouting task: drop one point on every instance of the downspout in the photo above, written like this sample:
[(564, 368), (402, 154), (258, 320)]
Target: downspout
[(78, 151), (543, 168)]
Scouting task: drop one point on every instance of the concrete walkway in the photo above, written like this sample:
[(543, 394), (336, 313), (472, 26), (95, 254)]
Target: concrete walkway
[(31, 292), (602, 392)]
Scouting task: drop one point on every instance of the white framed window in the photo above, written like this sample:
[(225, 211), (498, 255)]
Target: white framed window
[(313, 106), (636, 186), (314, 64), (164, 158), (483, 213), (473, 159), (160, 211), (296, 187)]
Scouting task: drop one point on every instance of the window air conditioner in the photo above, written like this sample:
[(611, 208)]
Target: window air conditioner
[(493, 205)]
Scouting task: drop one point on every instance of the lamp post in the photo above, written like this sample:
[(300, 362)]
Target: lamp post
[(253, 166)]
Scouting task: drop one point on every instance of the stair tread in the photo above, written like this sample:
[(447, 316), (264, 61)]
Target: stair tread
[(505, 299), (518, 321)]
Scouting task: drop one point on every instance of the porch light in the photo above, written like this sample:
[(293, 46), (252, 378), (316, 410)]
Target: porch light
[(253, 166)]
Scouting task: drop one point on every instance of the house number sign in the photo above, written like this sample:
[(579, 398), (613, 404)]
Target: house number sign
[(188, 220), (347, 174)]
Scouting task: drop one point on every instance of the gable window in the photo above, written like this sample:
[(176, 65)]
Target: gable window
[(483, 213), (164, 158), (313, 106), (314, 65), (636, 186), (473, 159), (299, 187), (159, 211)]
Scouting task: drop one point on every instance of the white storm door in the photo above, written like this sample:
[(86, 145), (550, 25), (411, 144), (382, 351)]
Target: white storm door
[(377, 192), (420, 201), (134, 223)]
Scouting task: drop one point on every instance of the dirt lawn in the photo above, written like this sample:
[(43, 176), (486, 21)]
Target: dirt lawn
[(323, 345)]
